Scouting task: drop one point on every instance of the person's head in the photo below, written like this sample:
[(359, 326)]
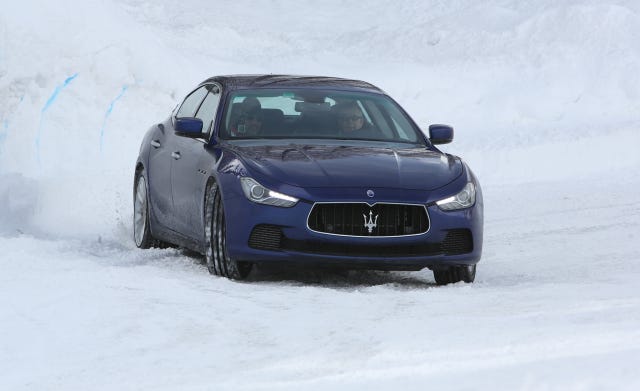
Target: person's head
[(250, 103), (253, 121), (349, 117)]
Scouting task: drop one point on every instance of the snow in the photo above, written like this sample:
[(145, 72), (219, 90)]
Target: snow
[(545, 100)]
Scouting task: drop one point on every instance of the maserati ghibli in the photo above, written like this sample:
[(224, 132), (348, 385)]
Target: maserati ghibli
[(306, 170)]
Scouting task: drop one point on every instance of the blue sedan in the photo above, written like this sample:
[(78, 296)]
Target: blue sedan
[(306, 170)]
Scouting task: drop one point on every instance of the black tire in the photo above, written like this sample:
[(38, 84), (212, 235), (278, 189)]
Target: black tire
[(141, 230), (455, 274), (218, 260)]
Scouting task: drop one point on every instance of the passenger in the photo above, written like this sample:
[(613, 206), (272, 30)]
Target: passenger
[(351, 121)]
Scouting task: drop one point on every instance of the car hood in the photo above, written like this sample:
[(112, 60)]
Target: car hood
[(313, 165)]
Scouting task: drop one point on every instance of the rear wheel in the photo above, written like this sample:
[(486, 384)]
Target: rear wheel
[(217, 257), (455, 274), (141, 232)]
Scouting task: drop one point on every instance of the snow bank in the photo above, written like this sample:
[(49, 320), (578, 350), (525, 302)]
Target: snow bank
[(536, 90), (18, 197)]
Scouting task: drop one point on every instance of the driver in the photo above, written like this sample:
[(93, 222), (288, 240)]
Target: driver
[(252, 121), (249, 122)]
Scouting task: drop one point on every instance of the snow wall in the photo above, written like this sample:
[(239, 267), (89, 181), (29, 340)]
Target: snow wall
[(536, 90)]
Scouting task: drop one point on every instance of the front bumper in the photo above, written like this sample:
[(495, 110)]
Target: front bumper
[(286, 238)]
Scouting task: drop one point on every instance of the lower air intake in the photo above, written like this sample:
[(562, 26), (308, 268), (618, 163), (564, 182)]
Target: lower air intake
[(266, 237), (457, 241)]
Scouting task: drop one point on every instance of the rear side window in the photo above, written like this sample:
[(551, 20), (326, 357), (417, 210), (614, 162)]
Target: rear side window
[(191, 103)]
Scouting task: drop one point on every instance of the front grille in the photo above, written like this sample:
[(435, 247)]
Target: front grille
[(360, 219), (266, 237), (457, 241)]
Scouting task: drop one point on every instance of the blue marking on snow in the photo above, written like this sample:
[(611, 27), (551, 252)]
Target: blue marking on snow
[(50, 101), (59, 88), (108, 113)]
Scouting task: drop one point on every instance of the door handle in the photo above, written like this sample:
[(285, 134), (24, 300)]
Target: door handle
[(176, 155), (155, 143)]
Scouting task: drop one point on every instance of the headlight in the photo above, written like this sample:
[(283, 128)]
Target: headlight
[(464, 199), (257, 193)]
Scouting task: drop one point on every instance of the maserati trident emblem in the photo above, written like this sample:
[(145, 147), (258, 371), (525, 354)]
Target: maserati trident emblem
[(371, 224)]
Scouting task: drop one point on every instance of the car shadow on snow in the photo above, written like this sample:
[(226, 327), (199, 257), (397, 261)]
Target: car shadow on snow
[(331, 277), (338, 278)]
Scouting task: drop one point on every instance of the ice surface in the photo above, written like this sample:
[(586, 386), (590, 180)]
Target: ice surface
[(545, 100)]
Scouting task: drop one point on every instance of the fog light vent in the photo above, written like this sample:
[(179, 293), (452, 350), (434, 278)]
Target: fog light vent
[(457, 241), (266, 237)]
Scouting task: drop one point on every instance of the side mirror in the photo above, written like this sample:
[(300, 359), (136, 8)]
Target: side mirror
[(189, 127), (440, 134)]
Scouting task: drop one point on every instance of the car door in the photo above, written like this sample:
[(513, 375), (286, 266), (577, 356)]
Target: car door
[(158, 178), (169, 143), (189, 169)]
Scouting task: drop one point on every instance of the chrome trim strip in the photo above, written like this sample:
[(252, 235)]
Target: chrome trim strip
[(426, 211)]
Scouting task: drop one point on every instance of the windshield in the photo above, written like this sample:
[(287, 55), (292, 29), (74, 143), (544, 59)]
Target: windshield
[(314, 113)]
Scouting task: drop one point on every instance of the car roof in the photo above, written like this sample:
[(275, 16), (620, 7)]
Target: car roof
[(278, 81)]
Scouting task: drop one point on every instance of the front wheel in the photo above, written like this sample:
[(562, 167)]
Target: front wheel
[(216, 255), (455, 274)]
